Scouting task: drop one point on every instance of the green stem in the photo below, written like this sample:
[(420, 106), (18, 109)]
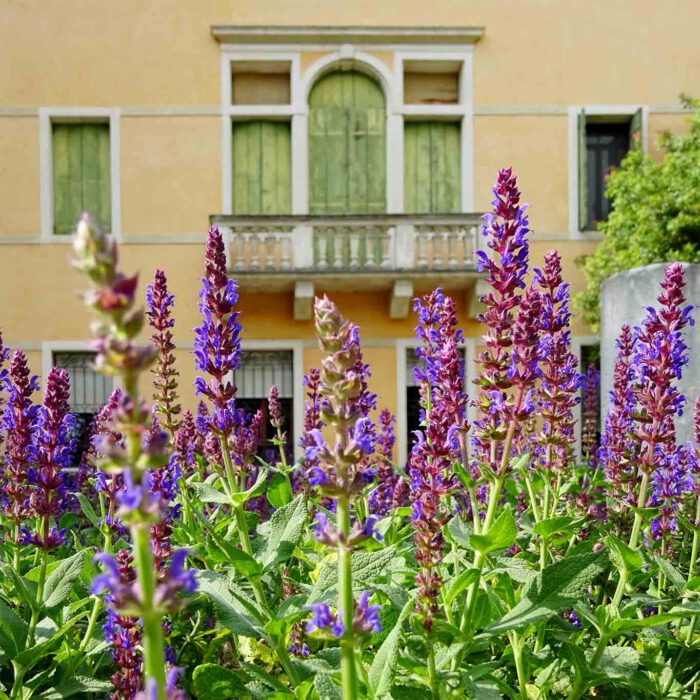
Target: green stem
[(533, 498), (151, 617), (634, 536), (693, 563), (346, 601), (36, 611), (97, 605), (432, 673), (517, 646)]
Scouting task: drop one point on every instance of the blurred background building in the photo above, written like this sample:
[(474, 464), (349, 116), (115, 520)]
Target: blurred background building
[(344, 148)]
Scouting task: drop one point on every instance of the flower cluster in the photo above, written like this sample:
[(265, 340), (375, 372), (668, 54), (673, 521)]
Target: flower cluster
[(505, 231), (19, 422), (326, 623), (658, 358), (54, 452), (160, 304), (381, 498), (443, 439), (559, 379), (217, 347), (589, 427), (337, 469), (619, 444)]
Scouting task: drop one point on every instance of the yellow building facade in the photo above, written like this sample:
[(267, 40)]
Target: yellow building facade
[(344, 148)]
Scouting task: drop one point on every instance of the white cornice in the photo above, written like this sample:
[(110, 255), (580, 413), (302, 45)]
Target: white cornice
[(235, 34)]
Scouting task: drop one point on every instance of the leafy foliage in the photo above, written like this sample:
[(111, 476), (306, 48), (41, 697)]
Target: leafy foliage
[(655, 214)]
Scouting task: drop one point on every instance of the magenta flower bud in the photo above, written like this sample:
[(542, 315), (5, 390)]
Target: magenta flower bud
[(160, 304), (275, 408), (589, 427)]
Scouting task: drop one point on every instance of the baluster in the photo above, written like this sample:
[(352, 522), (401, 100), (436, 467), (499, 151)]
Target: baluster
[(321, 237), (255, 250), (387, 242), (457, 248), (373, 242), (451, 249), (237, 252), (354, 235), (422, 237), (339, 237), (445, 249), (285, 250), (270, 240)]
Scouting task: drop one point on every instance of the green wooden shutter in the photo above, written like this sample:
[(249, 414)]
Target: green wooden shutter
[(81, 175), (432, 182), (347, 145), (262, 167), (636, 130), (582, 173)]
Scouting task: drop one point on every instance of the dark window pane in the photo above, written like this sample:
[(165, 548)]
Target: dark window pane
[(412, 415), (606, 146)]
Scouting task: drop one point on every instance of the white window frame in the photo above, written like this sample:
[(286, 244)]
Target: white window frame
[(600, 111), (297, 349), (50, 115), (462, 112), (402, 346), (391, 82), (231, 112)]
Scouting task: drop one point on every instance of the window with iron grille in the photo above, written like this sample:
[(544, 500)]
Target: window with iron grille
[(89, 391), (259, 370)]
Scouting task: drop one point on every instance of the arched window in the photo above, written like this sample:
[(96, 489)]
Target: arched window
[(347, 145)]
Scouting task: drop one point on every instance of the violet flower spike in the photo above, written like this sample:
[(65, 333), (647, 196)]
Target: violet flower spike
[(217, 346)]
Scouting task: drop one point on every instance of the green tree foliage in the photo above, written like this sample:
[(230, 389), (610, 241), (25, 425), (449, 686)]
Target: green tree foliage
[(655, 213)]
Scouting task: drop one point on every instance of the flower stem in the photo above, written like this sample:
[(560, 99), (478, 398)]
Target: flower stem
[(153, 648), (432, 672), (346, 601), (517, 646), (39, 598), (634, 536)]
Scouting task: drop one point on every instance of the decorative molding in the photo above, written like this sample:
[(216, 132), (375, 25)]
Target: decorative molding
[(237, 34)]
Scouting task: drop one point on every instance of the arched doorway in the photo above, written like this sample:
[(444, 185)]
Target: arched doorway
[(347, 145)]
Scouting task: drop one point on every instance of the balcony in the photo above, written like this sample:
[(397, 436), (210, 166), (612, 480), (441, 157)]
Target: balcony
[(405, 253)]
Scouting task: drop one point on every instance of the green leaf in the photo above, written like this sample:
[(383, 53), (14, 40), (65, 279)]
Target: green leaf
[(501, 535), (286, 527), (13, 630), (563, 524), (381, 673), (214, 682), (367, 567), (279, 492), (326, 688), (207, 493), (79, 685), (554, 589), (619, 662), (39, 651), (458, 530), (59, 582), (672, 574), (622, 557), (242, 561), (687, 609), (256, 489), (87, 509), (267, 678), (230, 612), (457, 585)]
